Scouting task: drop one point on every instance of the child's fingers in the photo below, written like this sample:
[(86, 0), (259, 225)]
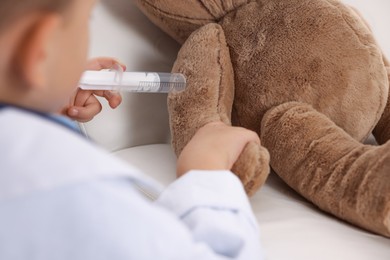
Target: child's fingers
[(247, 135), (215, 146), (103, 63), (84, 114), (82, 97), (236, 134), (114, 98), (86, 106), (87, 111), (231, 139)]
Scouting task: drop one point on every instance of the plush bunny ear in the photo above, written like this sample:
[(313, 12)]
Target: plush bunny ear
[(179, 18)]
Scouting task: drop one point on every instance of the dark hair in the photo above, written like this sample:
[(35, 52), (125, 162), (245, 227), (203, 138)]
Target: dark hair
[(12, 9)]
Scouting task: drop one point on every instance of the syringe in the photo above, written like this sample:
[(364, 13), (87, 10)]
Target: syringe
[(144, 82)]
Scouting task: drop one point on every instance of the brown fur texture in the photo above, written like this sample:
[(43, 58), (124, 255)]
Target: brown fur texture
[(307, 76), (205, 60)]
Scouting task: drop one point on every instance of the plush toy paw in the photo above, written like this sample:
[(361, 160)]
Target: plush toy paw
[(205, 61), (252, 167)]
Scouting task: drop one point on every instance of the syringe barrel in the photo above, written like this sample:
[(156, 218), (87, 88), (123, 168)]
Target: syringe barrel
[(147, 82)]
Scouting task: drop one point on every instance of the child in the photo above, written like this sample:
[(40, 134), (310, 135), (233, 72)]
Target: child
[(61, 197)]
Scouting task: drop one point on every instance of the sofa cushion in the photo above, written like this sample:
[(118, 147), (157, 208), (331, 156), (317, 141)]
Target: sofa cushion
[(291, 227)]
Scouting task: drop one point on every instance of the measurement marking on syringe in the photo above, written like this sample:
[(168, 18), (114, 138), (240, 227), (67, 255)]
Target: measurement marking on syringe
[(147, 85)]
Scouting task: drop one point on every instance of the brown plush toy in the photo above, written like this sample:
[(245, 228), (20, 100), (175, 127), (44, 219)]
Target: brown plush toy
[(307, 76)]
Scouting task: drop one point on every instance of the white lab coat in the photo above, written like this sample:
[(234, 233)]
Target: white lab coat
[(61, 197)]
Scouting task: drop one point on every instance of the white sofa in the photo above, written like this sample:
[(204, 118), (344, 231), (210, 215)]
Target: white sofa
[(138, 132)]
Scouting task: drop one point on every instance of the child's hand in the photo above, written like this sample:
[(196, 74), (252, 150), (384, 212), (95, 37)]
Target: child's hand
[(216, 146), (84, 105)]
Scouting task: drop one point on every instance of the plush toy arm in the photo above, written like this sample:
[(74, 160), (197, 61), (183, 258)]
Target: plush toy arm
[(327, 166), (382, 129), (205, 60), (180, 18)]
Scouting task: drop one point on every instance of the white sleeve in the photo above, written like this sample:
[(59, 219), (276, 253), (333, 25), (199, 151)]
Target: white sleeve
[(199, 217), (214, 206)]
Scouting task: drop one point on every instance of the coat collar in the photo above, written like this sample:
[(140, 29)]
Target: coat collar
[(58, 119)]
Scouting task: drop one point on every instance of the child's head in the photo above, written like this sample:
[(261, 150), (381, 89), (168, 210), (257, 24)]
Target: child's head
[(43, 49)]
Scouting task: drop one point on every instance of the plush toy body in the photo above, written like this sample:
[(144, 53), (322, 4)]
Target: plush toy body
[(307, 76)]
